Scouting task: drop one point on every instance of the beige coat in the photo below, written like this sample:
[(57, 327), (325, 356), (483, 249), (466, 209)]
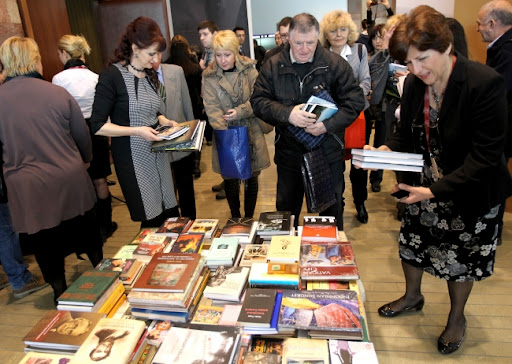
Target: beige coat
[(232, 90)]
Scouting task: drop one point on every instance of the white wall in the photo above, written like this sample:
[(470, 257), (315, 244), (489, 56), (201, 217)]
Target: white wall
[(267, 13), (446, 7)]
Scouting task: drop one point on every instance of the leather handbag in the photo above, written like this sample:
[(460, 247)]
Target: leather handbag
[(318, 181), (355, 134), (233, 151)]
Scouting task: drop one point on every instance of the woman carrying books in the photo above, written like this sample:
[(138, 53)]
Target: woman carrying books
[(228, 85)]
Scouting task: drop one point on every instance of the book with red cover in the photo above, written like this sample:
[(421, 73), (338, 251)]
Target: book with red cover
[(319, 228), (167, 272), (327, 261), (174, 226)]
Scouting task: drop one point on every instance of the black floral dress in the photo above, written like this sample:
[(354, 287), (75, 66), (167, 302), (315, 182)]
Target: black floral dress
[(435, 236)]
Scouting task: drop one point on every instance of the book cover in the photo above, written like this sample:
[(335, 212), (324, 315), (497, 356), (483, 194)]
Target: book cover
[(222, 249), (148, 248), (253, 357), (284, 248), (174, 226), (125, 267), (126, 251), (157, 331), (88, 288), (204, 226), (65, 330), (257, 307), (273, 223), (230, 315), (187, 243), (343, 351), (328, 261), (185, 138), (407, 162), (167, 272), (387, 166), (227, 283), (259, 276), (303, 350), (267, 345), (169, 132), (111, 342), (319, 228), (137, 239), (207, 313), (386, 154), (45, 358), (190, 346), (156, 239), (320, 310), (182, 145), (254, 253)]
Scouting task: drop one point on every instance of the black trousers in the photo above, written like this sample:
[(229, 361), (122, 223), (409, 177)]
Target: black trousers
[(183, 176)]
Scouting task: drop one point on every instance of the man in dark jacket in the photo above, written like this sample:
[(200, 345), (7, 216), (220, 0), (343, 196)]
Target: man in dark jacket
[(285, 83), (283, 27)]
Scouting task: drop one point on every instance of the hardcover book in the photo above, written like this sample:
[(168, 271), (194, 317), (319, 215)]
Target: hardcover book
[(168, 132), (227, 283), (253, 357), (126, 251), (125, 267), (167, 272), (274, 223), (284, 248), (319, 228), (304, 350), (335, 311), (45, 358), (187, 243), (387, 166), (208, 227), (207, 313), (267, 345), (260, 277), (328, 261), (254, 253), (190, 346), (174, 226), (62, 330), (222, 250), (137, 239), (342, 351), (191, 140), (242, 228), (111, 342), (257, 307), (386, 155), (88, 288), (157, 331)]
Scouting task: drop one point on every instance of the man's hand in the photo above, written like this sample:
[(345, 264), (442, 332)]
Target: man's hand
[(301, 118), (316, 129)]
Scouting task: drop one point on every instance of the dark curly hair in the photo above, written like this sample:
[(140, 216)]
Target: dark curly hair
[(143, 32)]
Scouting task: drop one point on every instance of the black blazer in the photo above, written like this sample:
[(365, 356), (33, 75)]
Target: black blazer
[(472, 124)]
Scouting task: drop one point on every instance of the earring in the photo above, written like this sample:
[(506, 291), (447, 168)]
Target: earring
[(136, 55)]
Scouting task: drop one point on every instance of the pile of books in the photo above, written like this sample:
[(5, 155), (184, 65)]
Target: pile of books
[(243, 229), (129, 269), (393, 161), (275, 223), (191, 141), (227, 284), (222, 252)]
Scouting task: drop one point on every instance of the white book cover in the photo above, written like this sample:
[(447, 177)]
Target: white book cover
[(407, 161), (386, 154), (227, 283), (222, 249), (387, 166)]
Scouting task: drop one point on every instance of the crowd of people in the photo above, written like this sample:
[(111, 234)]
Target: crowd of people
[(453, 111)]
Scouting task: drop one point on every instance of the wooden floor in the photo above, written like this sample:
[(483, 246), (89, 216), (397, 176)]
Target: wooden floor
[(408, 339)]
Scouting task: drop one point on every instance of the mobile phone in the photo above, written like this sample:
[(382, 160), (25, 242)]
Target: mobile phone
[(375, 2), (400, 194)]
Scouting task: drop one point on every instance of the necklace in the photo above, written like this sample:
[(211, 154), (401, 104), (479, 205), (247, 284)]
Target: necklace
[(137, 69), (437, 98)]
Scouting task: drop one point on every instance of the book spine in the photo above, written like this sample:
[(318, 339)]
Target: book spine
[(118, 304), (112, 300)]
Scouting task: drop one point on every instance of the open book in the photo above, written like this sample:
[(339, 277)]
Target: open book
[(191, 140), (168, 132)]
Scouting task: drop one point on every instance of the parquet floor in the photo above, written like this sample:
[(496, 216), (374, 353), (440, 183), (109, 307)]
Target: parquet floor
[(407, 339)]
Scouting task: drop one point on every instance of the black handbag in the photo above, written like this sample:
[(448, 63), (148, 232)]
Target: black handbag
[(318, 181)]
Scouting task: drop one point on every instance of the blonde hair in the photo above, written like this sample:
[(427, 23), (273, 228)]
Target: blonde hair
[(226, 40), (20, 56), (74, 45), (334, 20), (394, 20)]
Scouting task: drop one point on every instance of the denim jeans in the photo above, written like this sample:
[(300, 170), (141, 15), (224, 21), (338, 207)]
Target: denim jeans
[(10, 252)]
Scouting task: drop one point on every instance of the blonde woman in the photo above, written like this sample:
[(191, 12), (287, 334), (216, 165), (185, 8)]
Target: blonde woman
[(80, 82), (228, 85), (338, 33)]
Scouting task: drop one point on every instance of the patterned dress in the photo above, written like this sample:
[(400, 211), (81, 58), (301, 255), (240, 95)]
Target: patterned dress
[(435, 236), (145, 178)]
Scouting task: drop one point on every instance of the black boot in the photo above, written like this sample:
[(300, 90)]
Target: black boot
[(104, 216), (250, 196)]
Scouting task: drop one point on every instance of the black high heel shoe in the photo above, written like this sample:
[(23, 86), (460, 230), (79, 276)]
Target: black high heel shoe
[(386, 311), (447, 347)]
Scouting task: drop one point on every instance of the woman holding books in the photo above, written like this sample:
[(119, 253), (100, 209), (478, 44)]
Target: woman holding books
[(338, 33), (46, 151), (228, 85), (129, 93), (80, 82), (453, 113)]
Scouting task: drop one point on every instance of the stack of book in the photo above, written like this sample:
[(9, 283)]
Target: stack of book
[(260, 311), (274, 275), (149, 246), (223, 251), (227, 284), (275, 223), (394, 161), (93, 291), (243, 229), (129, 269), (137, 239), (61, 332), (207, 227), (174, 226), (191, 141), (169, 287), (187, 243), (319, 229)]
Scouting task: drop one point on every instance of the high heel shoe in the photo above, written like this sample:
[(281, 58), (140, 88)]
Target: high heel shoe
[(447, 347), (386, 311)]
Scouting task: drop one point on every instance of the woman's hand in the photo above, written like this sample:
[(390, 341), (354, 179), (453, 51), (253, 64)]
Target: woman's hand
[(415, 193), (230, 115), (383, 147), (387, 36), (147, 133), (167, 122)]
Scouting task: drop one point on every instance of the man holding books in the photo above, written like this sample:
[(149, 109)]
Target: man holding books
[(284, 84)]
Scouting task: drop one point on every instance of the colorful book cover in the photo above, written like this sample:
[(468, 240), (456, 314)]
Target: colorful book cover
[(137, 239), (206, 313), (237, 226), (273, 223), (343, 351), (208, 227), (267, 345), (254, 253), (257, 307), (187, 243), (174, 226), (304, 350), (65, 330), (45, 358), (124, 266), (145, 252), (227, 283), (88, 288), (328, 261), (284, 248), (253, 357), (320, 310), (111, 342), (168, 272), (319, 228), (260, 275), (157, 331), (126, 251)]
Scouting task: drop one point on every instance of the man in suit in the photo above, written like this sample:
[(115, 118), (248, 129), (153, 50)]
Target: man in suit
[(240, 34), (494, 22), (178, 107)]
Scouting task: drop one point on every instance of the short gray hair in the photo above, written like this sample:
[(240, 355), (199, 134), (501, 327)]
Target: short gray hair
[(304, 23), (500, 10)]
